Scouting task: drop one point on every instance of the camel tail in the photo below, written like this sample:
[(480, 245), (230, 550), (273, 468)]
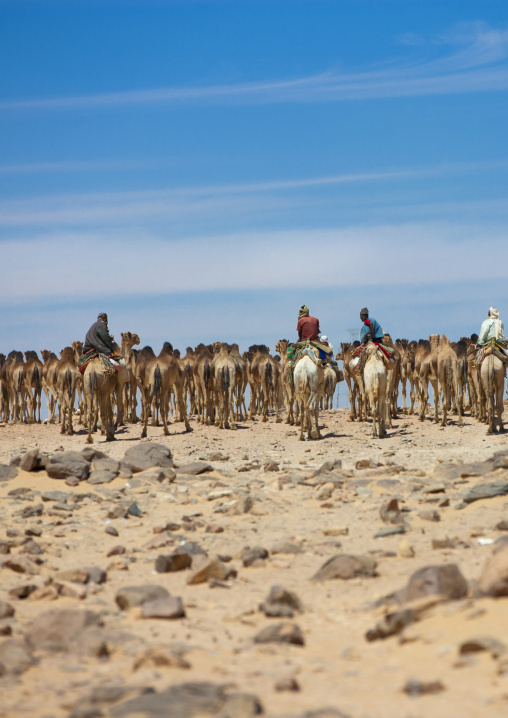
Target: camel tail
[(187, 376), (157, 380), (464, 371), (225, 380), (207, 373), (449, 375), (68, 382), (20, 381), (490, 376), (269, 375), (37, 378)]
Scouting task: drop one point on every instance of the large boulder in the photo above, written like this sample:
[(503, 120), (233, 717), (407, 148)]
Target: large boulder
[(146, 455), (446, 581), (68, 465), (7, 472), (54, 629), (494, 578)]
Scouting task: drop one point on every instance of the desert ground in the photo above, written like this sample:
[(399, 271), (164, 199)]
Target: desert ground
[(249, 510)]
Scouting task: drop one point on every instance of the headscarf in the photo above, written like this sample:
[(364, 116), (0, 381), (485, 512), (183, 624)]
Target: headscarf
[(364, 311), (324, 338), (494, 313), (304, 310), (102, 318)]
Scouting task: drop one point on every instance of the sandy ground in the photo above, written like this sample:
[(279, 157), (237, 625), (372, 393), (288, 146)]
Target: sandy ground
[(337, 667)]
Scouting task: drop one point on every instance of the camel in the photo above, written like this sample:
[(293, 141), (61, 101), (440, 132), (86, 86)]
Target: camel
[(309, 379), (392, 382), (376, 383), (4, 393), (203, 378), (32, 378), (49, 382), (78, 351), (407, 365), (425, 371), (67, 378), (98, 385), (475, 389), (332, 376), (14, 372), (264, 378), (288, 387), (225, 374), (354, 383), (159, 375), (447, 378), (461, 381), (130, 402), (190, 387), (492, 379)]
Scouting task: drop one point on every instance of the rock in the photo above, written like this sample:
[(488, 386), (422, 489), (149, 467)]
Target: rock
[(389, 531), (494, 577), (429, 515), (325, 492), (391, 624), (117, 512), (287, 547), (96, 574), (445, 580), (30, 511), (406, 550), (54, 629), (327, 467), (176, 561), (20, 564), (134, 510), (22, 591), (366, 464), (421, 688), (111, 530), (170, 607), (105, 463), (287, 684), (502, 525), (482, 643), (157, 475), (101, 476), (131, 596), (486, 491), (116, 551), (390, 512), (68, 465), (346, 566), (15, 656), (89, 453), (439, 543), (194, 468), (146, 455), (280, 603), (7, 472), (190, 699), (6, 610), (5, 547), (270, 465), (29, 460), (339, 531), (250, 555), (55, 496), (160, 657), (74, 575), (210, 568), (281, 633)]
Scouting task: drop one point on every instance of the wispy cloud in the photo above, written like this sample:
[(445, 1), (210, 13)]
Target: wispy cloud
[(108, 208), (81, 166), (66, 265), (478, 65)]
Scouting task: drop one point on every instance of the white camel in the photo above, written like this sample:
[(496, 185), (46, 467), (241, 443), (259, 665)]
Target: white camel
[(492, 379), (375, 381), (308, 379)]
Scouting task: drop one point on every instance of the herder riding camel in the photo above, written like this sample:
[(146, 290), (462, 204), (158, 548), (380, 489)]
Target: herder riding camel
[(99, 381), (492, 372)]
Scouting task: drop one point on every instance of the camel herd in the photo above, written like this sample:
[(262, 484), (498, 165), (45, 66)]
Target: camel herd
[(210, 383)]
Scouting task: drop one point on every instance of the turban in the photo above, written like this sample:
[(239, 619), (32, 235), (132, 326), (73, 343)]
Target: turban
[(304, 310), (494, 313), (364, 311)]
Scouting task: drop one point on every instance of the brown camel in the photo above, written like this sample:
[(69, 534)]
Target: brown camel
[(14, 373), (98, 385), (225, 377), (203, 377), (32, 378), (130, 402), (49, 382), (407, 365), (4, 393), (392, 382), (241, 381), (288, 386), (189, 361), (492, 372), (356, 389), (426, 367), (264, 380), (67, 378), (447, 379)]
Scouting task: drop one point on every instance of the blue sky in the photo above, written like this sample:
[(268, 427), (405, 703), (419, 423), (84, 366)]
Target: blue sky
[(199, 168)]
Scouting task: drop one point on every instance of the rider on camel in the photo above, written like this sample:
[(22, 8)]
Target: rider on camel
[(99, 338), (492, 329), (371, 330), (307, 327)]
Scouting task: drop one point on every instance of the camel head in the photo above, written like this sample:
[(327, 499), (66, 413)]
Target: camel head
[(167, 348), (31, 354), (176, 353), (434, 341), (67, 354), (129, 339), (444, 341)]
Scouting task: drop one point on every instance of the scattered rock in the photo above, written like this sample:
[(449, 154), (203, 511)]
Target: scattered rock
[(146, 455), (439, 543), (210, 568), (389, 531), (6, 610), (486, 491), (390, 512), (445, 580), (54, 629), (281, 633), (68, 465), (195, 468), (406, 550), (170, 607), (131, 596), (160, 657), (250, 555), (391, 624), (494, 577), (416, 688), (482, 643), (280, 603), (429, 515), (23, 591), (111, 530), (270, 465), (345, 566), (287, 547), (15, 657), (287, 684), (7, 472), (176, 561)]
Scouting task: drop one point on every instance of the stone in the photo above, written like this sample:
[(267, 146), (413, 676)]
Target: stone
[(390, 531), (90, 453), (270, 465), (325, 492), (5, 547), (429, 515), (195, 468), (131, 596), (15, 657), (285, 632), (55, 628), (445, 580), (486, 491), (68, 465), (55, 496), (96, 574), (111, 530), (502, 525), (7, 472), (134, 510), (493, 580), (170, 607), (483, 643), (176, 561), (440, 543), (117, 512), (117, 550), (22, 591), (287, 547), (362, 464), (147, 455), (101, 476), (6, 610), (250, 555), (105, 463), (327, 467), (21, 564), (287, 684), (160, 657), (416, 688), (30, 511), (390, 512), (157, 475), (406, 550), (29, 460), (391, 624), (338, 531), (74, 575), (345, 566), (210, 568), (280, 603)]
